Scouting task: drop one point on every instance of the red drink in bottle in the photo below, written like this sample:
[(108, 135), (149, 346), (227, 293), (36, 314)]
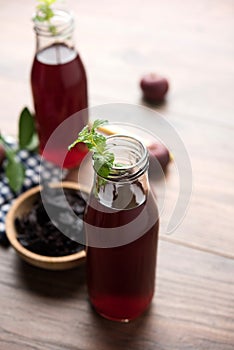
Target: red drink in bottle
[(121, 222), (59, 88)]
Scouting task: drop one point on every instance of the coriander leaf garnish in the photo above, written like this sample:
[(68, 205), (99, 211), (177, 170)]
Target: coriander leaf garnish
[(103, 159)]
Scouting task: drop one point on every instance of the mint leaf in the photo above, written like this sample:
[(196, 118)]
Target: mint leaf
[(103, 163), (15, 172), (103, 159), (28, 139), (45, 13), (27, 132), (98, 123), (33, 144)]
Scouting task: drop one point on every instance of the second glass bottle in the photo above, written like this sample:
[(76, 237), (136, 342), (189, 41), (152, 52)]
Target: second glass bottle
[(59, 86)]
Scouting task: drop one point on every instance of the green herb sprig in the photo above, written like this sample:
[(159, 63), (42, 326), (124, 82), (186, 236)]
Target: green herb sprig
[(96, 142), (45, 13), (14, 169)]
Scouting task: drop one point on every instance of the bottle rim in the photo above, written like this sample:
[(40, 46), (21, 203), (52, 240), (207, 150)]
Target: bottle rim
[(136, 167), (63, 21)]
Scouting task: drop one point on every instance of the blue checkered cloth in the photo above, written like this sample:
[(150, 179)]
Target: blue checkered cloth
[(34, 165)]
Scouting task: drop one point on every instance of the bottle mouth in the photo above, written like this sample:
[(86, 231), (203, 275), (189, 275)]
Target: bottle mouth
[(131, 157), (62, 23)]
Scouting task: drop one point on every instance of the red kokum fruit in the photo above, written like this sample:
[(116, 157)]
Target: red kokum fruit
[(2, 154), (154, 87), (160, 152)]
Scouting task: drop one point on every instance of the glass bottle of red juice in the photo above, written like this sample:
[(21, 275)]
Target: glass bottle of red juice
[(59, 88), (121, 223)]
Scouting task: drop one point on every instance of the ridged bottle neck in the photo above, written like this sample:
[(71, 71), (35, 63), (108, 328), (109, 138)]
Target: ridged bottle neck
[(126, 186)]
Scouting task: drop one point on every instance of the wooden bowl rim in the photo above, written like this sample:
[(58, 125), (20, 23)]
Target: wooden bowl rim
[(24, 252)]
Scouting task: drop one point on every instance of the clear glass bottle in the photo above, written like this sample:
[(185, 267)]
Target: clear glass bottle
[(121, 222), (59, 85)]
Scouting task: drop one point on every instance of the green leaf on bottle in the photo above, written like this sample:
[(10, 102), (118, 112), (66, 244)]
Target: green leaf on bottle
[(44, 13), (96, 142)]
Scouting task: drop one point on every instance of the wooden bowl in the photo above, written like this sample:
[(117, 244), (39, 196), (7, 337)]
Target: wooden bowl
[(21, 206)]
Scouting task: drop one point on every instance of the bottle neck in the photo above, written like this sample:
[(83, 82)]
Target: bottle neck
[(126, 186), (58, 31)]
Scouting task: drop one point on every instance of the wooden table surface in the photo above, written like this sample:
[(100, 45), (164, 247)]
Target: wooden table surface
[(191, 43)]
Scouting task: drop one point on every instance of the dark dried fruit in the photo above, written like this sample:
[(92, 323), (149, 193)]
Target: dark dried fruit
[(154, 87), (160, 152), (39, 233), (2, 154)]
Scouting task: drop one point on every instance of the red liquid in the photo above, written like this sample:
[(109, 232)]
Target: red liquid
[(121, 279), (59, 88)]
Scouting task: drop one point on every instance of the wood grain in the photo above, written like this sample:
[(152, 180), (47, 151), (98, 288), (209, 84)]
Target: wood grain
[(193, 307)]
